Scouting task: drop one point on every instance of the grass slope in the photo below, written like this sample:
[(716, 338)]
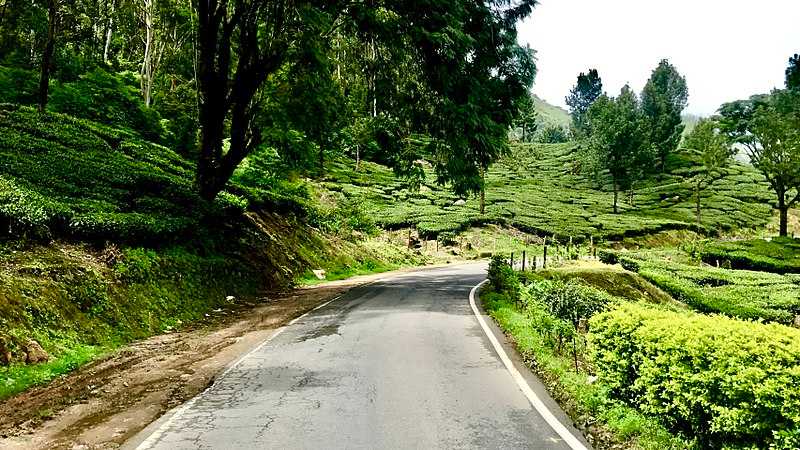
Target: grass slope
[(551, 115), (538, 189), (103, 241)]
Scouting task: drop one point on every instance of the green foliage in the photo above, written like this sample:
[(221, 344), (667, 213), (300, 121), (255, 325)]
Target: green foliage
[(586, 91), (725, 381), (664, 98), (534, 332), (736, 293), (539, 189), (607, 256), (527, 120), (18, 377), (67, 177), (553, 134), (793, 72), (619, 138), (502, 278), (779, 255), (769, 129)]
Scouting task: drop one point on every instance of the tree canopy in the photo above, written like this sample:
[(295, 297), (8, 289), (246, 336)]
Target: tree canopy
[(768, 127), (587, 89), (664, 98), (619, 138)]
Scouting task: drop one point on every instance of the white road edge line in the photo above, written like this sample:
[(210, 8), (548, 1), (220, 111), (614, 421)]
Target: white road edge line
[(537, 403), (156, 435)]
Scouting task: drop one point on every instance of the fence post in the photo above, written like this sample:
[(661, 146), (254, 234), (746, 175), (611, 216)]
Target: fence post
[(544, 261), (523, 260), (512, 260)]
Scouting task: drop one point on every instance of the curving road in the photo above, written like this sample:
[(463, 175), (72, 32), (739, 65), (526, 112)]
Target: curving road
[(399, 363)]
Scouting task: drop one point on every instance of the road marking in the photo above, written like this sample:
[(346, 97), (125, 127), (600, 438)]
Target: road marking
[(537, 403), (153, 438)]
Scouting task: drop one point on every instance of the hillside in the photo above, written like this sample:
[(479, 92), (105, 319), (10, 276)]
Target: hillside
[(550, 115), (537, 190), (104, 241)]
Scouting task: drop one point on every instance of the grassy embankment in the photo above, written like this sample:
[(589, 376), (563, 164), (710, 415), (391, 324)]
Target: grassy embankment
[(103, 241)]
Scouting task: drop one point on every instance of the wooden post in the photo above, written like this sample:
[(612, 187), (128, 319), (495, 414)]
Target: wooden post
[(591, 246), (523, 260), (544, 261), (512, 260)]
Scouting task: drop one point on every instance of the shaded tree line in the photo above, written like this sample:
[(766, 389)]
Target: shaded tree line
[(218, 80)]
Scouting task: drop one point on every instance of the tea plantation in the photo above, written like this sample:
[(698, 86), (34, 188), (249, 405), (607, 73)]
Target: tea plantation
[(539, 189)]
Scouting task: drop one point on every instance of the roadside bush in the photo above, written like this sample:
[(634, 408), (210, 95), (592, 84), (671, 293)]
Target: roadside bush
[(726, 381), (503, 279)]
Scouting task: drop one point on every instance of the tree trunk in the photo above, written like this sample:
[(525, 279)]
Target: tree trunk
[(697, 202), (109, 29), (47, 56), (147, 59), (483, 192), (616, 195), (783, 208)]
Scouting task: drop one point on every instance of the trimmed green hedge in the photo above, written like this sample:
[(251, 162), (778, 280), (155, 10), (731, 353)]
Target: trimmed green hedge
[(736, 293), (726, 381), (780, 255)]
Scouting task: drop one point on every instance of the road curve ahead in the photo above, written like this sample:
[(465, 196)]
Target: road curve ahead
[(399, 363)]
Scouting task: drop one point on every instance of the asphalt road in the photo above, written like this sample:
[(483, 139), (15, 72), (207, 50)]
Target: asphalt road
[(399, 363)]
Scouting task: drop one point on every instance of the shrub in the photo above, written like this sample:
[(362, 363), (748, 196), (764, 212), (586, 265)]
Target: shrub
[(723, 380), (502, 278), (780, 255), (736, 293), (607, 256), (629, 264)]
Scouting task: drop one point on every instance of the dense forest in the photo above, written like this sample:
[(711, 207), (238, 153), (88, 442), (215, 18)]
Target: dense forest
[(163, 161)]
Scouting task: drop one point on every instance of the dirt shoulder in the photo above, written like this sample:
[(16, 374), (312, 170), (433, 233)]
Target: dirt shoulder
[(106, 402)]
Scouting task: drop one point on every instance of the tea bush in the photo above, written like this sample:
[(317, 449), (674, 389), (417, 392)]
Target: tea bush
[(780, 255), (728, 382), (536, 189), (736, 293)]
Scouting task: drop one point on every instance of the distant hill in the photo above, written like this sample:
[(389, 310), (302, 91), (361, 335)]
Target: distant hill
[(551, 114)]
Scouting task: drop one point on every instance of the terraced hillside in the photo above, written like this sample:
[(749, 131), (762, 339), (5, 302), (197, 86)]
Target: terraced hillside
[(538, 189)]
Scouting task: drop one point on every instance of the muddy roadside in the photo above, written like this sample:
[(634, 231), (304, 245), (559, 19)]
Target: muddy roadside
[(104, 403)]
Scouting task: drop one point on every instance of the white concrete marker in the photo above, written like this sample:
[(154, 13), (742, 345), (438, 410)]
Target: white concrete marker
[(537, 403)]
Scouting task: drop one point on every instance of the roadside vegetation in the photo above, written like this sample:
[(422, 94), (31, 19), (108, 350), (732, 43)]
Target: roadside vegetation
[(161, 161)]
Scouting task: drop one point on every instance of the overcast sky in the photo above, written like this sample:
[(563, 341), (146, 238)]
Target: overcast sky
[(727, 49)]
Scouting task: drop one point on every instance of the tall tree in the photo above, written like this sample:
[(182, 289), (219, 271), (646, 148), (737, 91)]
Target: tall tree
[(663, 100), (619, 138), (714, 151), (480, 77), (47, 54), (793, 72), (768, 127), (240, 44), (527, 119), (587, 89)]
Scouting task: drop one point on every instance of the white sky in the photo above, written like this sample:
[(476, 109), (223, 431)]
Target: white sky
[(726, 49)]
